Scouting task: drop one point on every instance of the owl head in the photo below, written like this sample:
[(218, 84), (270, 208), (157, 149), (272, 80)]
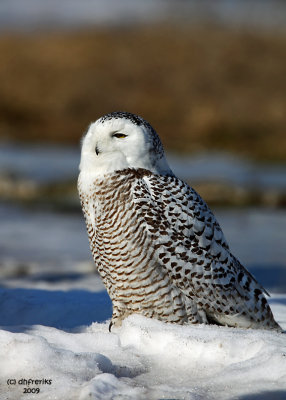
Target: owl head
[(122, 140)]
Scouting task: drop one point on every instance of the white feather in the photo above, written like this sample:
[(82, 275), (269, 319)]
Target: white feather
[(133, 151)]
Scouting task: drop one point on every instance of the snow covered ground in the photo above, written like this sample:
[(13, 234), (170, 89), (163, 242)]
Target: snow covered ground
[(31, 14), (51, 338), (33, 162)]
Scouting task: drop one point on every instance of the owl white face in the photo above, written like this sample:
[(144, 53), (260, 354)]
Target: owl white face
[(118, 143)]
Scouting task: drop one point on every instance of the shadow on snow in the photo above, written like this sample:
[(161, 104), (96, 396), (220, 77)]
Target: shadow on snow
[(59, 309)]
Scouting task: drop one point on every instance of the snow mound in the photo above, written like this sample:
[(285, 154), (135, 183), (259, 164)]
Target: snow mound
[(144, 359), (213, 360)]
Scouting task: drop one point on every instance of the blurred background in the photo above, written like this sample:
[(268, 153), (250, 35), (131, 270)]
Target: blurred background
[(208, 75)]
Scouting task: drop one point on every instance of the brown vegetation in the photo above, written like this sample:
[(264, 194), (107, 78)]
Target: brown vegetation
[(201, 88)]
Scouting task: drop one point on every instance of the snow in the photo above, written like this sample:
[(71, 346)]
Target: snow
[(33, 162), (62, 336), (31, 14)]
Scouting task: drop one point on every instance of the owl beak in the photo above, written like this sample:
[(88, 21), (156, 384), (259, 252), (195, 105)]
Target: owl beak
[(97, 150)]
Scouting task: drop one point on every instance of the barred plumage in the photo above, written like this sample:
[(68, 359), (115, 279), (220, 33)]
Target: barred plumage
[(156, 244)]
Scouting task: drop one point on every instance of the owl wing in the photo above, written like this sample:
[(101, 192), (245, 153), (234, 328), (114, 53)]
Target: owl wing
[(190, 244)]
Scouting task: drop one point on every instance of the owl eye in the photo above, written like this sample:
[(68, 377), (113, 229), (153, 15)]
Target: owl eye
[(119, 135)]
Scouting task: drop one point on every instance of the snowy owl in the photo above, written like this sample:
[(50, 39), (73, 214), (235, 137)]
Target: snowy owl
[(157, 246)]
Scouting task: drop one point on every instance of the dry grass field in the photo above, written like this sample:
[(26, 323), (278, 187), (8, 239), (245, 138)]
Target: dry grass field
[(201, 88)]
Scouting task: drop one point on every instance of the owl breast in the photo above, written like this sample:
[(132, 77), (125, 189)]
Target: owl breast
[(124, 254)]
